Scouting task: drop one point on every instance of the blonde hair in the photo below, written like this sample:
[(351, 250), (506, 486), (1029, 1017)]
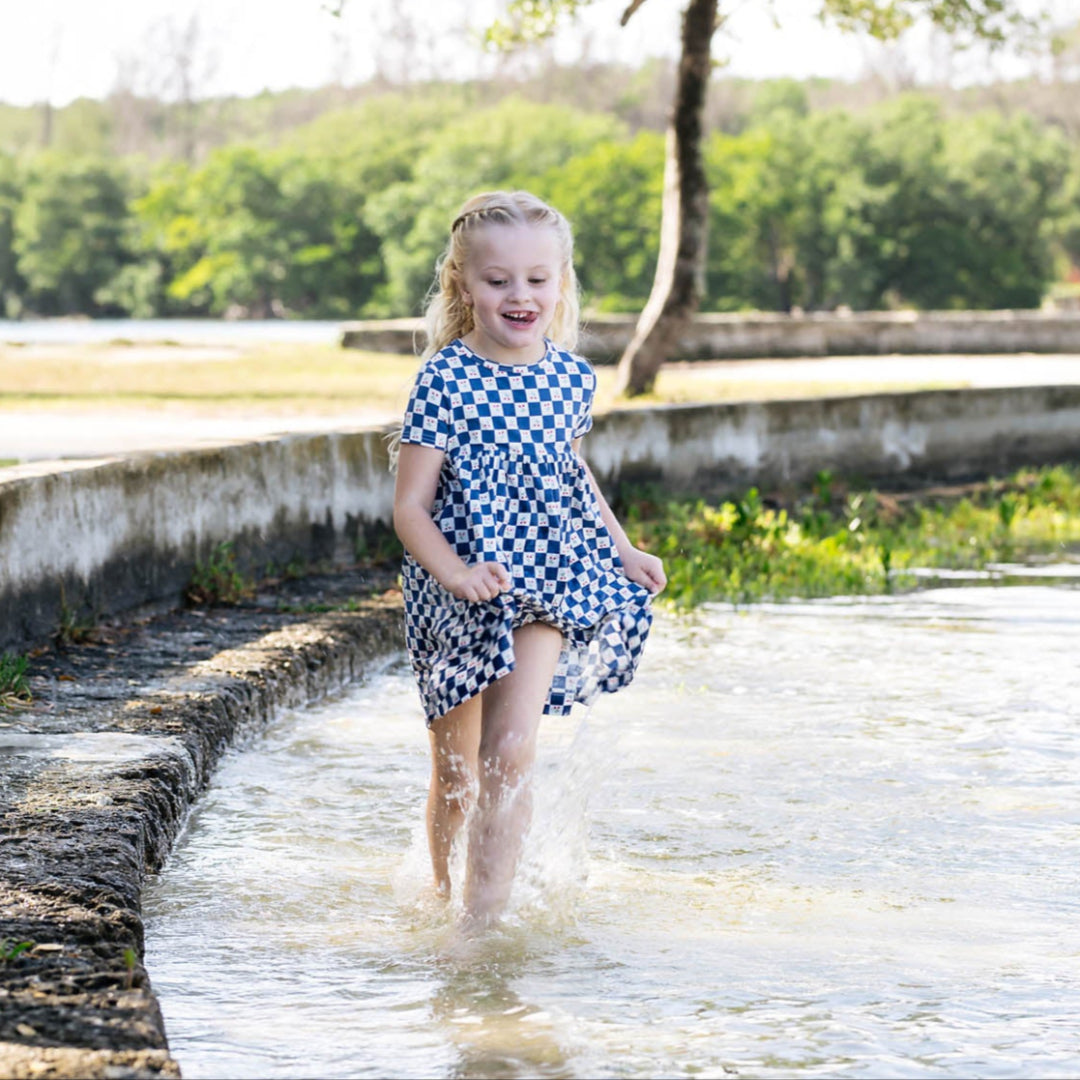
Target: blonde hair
[(448, 316)]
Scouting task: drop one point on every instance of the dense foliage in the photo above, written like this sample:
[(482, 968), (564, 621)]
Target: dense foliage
[(898, 204)]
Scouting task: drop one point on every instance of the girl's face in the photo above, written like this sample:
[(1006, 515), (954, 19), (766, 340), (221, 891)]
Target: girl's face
[(511, 280)]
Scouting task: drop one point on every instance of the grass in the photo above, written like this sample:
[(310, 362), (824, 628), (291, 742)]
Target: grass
[(14, 687), (284, 379), (275, 379), (131, 961), (831, 541), (319, 607), (218, 581), (836, 541), (11, 950)]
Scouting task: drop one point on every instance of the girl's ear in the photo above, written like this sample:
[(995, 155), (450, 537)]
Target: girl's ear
[(459, 281)]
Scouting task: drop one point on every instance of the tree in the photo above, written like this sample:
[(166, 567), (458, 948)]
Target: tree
[(11, 283), (1009, 176), (254, 233), (898, 205), (70, 233), (509, 145), (611, 194), (680, 267)]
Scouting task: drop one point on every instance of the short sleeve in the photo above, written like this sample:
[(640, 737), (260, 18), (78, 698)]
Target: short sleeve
[(427, 416)]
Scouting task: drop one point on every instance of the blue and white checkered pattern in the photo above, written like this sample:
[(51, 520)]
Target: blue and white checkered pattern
[(513, 490)]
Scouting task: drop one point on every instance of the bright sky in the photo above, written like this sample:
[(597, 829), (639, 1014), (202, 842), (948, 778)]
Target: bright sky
[(63, 49)]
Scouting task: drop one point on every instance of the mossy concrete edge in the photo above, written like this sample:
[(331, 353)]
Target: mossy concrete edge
[(99, 776)]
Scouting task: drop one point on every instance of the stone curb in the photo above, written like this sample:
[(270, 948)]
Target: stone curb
[(771, 334), (98, 776)]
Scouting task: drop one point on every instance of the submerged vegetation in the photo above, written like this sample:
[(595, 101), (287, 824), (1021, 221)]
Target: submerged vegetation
[(836, 541)]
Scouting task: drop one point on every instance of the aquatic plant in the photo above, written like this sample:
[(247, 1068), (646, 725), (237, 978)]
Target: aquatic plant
[(830, 540)]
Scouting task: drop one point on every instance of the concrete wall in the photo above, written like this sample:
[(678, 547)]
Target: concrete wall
[(900, 439), (741, 336), (96, 538), (105, 537)]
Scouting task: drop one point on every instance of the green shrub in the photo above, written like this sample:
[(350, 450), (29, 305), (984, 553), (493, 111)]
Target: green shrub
[(218, 581), (14, 687), (832, 542)]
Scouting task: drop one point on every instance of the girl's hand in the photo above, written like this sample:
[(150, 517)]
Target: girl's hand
[(644, 569), (481, 581)]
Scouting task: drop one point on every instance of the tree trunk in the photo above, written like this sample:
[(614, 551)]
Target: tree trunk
[(680, 268)]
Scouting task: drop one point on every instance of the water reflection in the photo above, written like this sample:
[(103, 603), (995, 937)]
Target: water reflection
[(494, 1031), (823, 839)]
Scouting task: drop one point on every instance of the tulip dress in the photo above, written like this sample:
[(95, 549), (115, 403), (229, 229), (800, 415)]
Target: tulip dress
[(513, 490)]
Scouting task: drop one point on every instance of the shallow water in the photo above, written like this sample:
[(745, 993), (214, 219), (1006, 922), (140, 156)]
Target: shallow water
[(819, 839)]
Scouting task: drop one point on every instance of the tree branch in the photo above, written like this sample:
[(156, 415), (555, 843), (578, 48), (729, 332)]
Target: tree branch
[(628, 14)]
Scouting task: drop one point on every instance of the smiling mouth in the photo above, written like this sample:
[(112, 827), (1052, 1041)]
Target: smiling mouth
[(520, 318)]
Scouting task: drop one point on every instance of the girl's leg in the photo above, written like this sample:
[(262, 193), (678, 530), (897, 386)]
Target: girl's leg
[(455, 739), (511, 716)]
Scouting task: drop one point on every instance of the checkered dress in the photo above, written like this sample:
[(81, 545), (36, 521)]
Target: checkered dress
[(513, 490)]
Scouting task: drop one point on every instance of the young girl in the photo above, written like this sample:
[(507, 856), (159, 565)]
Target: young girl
[(522, 592)]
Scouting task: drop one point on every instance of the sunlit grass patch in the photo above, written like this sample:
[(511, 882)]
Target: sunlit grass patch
[(306, 379), (277, 378), (714, 384)]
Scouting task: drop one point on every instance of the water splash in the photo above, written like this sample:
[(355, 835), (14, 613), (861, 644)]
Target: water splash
[(554, 866)]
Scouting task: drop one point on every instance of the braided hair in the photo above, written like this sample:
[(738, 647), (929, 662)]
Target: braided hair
[(448, 316)]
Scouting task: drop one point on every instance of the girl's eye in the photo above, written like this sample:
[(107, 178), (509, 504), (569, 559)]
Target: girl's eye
[(496, 282), (538, 281)]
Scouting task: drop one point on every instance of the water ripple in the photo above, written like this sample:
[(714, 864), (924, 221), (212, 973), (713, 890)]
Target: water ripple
[(830, 839)]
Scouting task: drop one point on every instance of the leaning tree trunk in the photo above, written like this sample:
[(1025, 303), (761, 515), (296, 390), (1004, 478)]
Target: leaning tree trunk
[(680, 268)]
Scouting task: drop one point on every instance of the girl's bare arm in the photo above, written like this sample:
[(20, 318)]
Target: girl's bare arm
[(414, 495), (638, 565)]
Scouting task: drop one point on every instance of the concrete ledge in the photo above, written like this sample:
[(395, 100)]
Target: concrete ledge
[(89, 539), (99, 774), (765, 334), (902, 439)]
